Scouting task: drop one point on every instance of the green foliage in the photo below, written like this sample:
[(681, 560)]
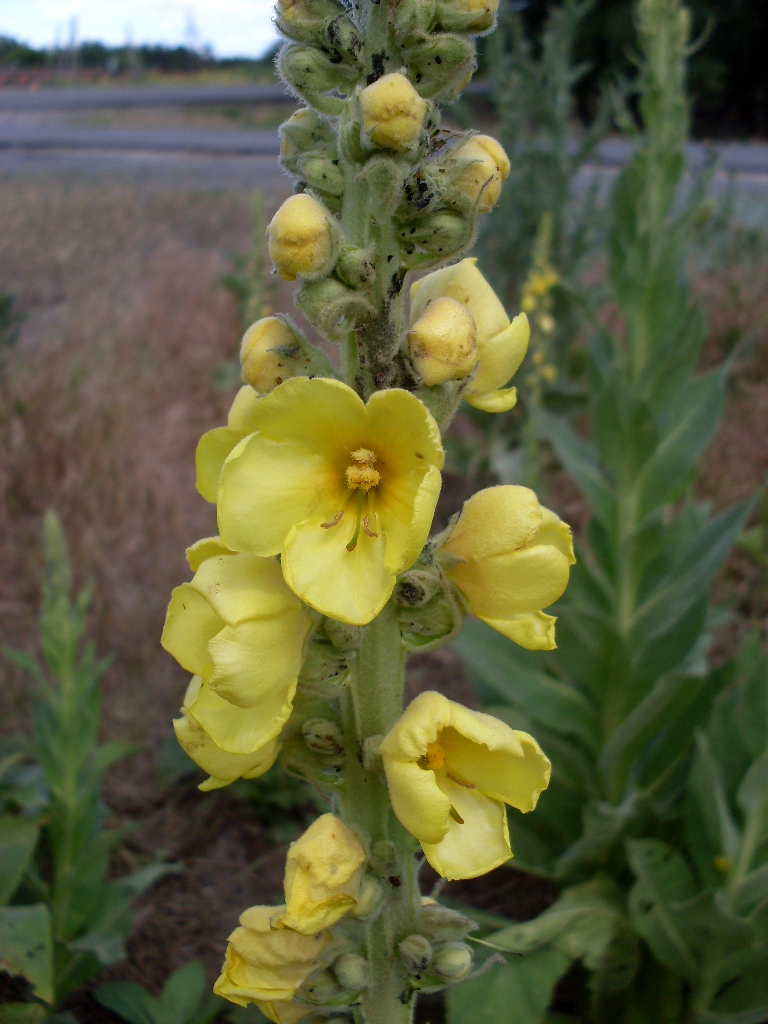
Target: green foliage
[(185, 999), (655, 826), (10, 319), (63, 918)]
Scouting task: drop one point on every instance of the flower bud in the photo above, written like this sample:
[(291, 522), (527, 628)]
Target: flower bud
[(355, 266), (321, 988), (439, 233), (264, 367), (442, 342), (442, 66), (301, 238), (352, 972), (472, 16), (415, 588), (416, 953), (343, 636), (443, 924), (322, 736), (306, 70), (321, 172), (368, 899), (412, 19), (323, 664), (480, 180), (304, 132), (452, 961), (393, 113), (329, 305)]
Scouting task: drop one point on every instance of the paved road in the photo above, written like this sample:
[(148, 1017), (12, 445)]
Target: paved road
[(24, 101)]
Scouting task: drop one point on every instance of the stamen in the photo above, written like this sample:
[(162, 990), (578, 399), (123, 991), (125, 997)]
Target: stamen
[(459, 779), (456, 816), (367, 529), (358, 517), (336, 519)]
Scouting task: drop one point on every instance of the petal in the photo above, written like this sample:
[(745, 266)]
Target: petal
[(240, 417), (478, 845), (466, 284), (403, 432), (257, 663), (522, 581), (189, 624), (496, 521), (499, 357), (236, 730), (417, 727), (417, 800), (212, 449), (223, 767), (351, 586), (495, 401), (203, 549), (267, 486), (406, 509), (240, 587), (533, 630), (281, 1011), (512, 767)]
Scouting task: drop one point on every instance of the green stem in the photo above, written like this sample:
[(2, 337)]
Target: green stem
[(372, 705)]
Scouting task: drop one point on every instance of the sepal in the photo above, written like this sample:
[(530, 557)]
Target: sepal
[(441, 66)]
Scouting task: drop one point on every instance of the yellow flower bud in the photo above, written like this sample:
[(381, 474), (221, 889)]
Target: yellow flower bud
[(301, 238), (322, 876), (393, 112), (467, 15), (442, 342), (481, 180), (452, 961), (263, 367)]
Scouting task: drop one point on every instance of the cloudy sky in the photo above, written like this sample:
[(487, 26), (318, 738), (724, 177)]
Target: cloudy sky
[(231, 27)]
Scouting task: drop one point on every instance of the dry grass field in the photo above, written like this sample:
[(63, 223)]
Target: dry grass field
[(101, 407)]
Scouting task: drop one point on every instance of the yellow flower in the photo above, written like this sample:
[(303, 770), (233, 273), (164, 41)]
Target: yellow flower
[(501, 345), (264, 964), (203, 713), (239, 627), (344, 492), (301, 238), (281, 1012), (215, 445), (481, 180), (510, 557), (442, 342), (450, 771), (322, 876), (393, 112), (263, 367)]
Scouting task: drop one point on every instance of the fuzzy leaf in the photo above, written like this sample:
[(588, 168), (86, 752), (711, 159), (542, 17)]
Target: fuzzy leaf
[(26, 947)]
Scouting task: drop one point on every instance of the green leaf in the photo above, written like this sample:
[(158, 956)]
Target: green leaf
[(744, 1000), (516, 992), (108, 753), (182, 993), (604, 825), (139, 881), (18, 838), (22, 1013), (26, 947), (130, 1001)]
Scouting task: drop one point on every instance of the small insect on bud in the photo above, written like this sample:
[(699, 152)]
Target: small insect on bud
[(352, 972), (442, 343), (393, 113), (264, 366), (301, 238), (452, 961), (322, 736), (416, 953), (480, 181)]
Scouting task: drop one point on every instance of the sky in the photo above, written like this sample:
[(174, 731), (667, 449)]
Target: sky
[(232, 27)]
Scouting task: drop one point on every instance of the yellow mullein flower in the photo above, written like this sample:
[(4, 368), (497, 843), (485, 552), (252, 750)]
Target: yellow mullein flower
[(450, 771), (322, 876), (344, 492), (238, 626), (393, 112), (501, 345), (510, 557), (480, 181), (442, 342), (264, 964), (204, 712), (215, 445)]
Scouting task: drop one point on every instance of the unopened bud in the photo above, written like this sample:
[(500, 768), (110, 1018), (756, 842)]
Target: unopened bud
[(321, 988), (321, 172), (442, 66), (301, 238), (437, 233), (415, 588), (442, 343), (323, 664), (352, 972), (264, 366), (304, 132), (330, 305), (443, 924), (466, 15), (412, 19), (480, 180), (311, 75), (343, 636), (416, 953), (452, 961), (322, 736), (305, 20), (355, 266), (369, 897), (393, 113)]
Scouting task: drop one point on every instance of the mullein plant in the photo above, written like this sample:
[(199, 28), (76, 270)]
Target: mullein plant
[(300, 615)]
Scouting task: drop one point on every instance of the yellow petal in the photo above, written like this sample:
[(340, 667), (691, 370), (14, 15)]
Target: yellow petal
[(240, 416), (189, 624), (522, 581), (495, 401), (533, 630), (351, 586), (241, 587), (495, 521), (508, 765), (256, 663), (403, 432), (212, 449), (236, 730), (267, 486), (421, 807), (406, 507), (223, 767), (478, 845), (203, 549), (285, 1012), (499, 357), (465, 283)]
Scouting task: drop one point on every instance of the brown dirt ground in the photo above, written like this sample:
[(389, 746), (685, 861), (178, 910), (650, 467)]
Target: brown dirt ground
[(100, 411)]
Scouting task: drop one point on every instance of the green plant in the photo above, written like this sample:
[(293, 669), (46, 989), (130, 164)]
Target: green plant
[(10, 319), (62, 918), (655, 826), (185, 999)]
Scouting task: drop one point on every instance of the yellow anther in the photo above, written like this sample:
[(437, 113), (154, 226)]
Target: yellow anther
[(433, 759), (363, 457), (361, 473)]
